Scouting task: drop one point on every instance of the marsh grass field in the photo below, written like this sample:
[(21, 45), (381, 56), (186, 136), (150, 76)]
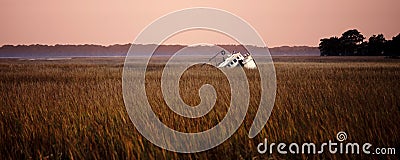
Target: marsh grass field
[(74, 109)]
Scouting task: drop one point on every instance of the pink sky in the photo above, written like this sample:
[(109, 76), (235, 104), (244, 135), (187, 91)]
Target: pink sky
[(279, 22)]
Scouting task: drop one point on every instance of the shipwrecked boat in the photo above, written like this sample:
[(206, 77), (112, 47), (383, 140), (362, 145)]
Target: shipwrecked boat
[(236, 60)]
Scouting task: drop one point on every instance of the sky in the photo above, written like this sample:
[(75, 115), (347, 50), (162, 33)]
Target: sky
[(278, 22)]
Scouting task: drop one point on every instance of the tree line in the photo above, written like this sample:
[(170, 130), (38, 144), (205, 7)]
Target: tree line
[(352, 43)]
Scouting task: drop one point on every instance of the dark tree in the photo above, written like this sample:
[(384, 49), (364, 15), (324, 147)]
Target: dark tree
[(362, 49), (330, 47), (392, 47), (350, 41), (376, 45)]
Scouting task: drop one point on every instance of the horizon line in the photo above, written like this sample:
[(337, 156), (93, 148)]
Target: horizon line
[(115, 44)]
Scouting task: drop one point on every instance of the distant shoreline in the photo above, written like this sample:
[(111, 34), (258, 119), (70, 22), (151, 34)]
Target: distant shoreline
[(43, 51)]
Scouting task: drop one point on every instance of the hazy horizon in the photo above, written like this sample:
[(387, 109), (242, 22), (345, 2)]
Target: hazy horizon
[(169, 44), (279, 23)]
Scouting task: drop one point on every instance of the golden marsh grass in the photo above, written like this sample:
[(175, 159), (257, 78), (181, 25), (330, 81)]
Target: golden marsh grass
[(74, 109)]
